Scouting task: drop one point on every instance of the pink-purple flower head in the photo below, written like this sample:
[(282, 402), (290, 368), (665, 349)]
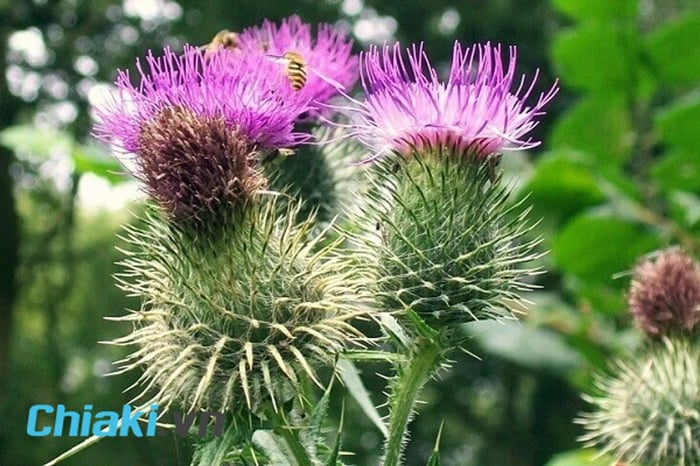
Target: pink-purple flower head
[(330, 64), (408, 109), (253, 97), (196, 126)]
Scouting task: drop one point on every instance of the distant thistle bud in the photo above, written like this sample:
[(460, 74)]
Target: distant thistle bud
[(235, 318), (664, 295), (648, 409)]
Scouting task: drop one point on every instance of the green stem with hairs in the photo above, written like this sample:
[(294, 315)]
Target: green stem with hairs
[(405, 389)]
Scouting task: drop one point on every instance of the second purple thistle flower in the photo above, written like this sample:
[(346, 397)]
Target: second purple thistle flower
[(331, 66), (474, 113)]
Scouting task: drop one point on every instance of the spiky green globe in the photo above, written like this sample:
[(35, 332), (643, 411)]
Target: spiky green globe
[(449, 246), (648, 408), (236, 313), (322, 175)]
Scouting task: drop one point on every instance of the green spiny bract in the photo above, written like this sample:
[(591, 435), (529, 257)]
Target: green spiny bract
[(235, 313), (648, 409), (449, 247), (322, 175)]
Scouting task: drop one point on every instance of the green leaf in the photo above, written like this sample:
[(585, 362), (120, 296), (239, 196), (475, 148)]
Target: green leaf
[(580, 458), (677, 124), (685, 208), (598, 9), (274, 447), (677, 170), (351, 378), (41, 142), (434, 459), (597, 57), (599, 125), (561, 186), (335, 453), (595, 247), (314, 430), (526, 346), (674, 50), (92, 159)]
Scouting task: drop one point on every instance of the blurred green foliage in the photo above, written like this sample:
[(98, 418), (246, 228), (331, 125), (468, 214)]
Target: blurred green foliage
[(618, 177)]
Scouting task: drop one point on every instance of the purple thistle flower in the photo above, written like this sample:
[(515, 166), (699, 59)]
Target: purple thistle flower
[(196, 125), (407, 108), (331, 67), (253, 97)]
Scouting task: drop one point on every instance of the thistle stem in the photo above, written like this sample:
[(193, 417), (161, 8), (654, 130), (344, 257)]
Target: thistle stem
[(411, 378)]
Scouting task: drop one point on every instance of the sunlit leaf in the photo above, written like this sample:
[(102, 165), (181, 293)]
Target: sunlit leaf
[(562, 185), (580, 458), (526, 346), (599, 125), (38, 142), (678, 170), (595, 247), (677, 124), (92, 159), (274, 447), (674, 49), (598, 9), (597, 57), (685, 207)]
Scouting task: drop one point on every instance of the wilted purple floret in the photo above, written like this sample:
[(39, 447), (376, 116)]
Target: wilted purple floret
[(253, 97), (331, 66), (408, 108)]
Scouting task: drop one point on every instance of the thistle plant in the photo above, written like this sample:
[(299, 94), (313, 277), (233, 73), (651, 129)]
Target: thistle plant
[(245, 301), (241, 305), (647, 411), (447, 246)]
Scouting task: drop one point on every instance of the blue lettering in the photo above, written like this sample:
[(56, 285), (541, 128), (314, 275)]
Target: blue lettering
[(105, 427), (32, 418), (61, 415), (152, 419), (87, 417), (130, 422)]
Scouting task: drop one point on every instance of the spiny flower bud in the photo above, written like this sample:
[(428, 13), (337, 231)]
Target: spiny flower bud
[(665, 294), (449, 246), (233, 318), (648, 409)]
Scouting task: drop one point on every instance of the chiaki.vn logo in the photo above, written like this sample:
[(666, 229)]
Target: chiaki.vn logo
[(57, 421)]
